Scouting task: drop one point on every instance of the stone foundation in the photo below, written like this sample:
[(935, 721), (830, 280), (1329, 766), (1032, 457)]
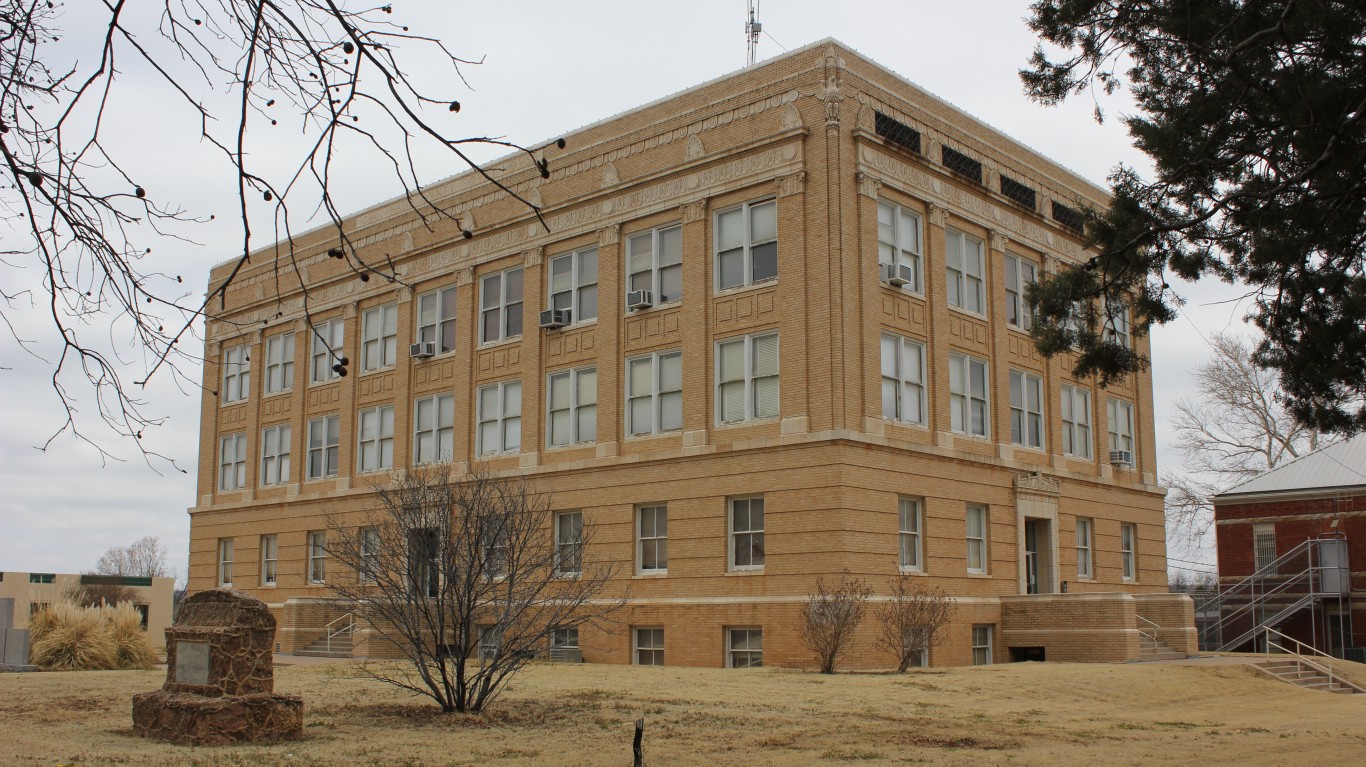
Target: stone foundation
[(189, 719)]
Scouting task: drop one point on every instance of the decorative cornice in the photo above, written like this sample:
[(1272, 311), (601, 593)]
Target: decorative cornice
[(998, 239), (868, 185), (609, 235), (791, 184), (693, 211), (1038, 482), (533, 256)]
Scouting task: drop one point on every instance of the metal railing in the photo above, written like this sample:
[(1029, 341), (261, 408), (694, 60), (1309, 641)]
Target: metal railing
[(1282, 642), (346, 628), (1155, 628)]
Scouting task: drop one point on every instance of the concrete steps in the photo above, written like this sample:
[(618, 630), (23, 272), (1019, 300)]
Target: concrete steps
[(1294, 672), (1151, 649), (341, 648)]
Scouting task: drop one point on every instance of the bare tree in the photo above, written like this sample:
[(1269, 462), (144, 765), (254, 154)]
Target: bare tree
[(81, 221), (830, 617), (469, 577), (1236, 428), (913, 618), (143, 558), (87, 593)]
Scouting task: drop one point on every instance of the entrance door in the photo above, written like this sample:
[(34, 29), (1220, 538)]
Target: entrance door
[(1031, 556)]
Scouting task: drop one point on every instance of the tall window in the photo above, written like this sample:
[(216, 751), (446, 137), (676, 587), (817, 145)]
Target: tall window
[(326, 350), (747, 244), (654, 393), (1026, 409), (981, 645), (500, 306), (275, 448), (903, 379), (649, 647), (977, 538), (270, 552), (1128, 540), (652, 538), (369, 554), (968, 411), (966, 266), (1121, 417), (654, 262), (1076, 421), (572, 399), (236, 373), (436, 319), (747, 378), (911, 520), (376, 449), (1085, 532), (424, 562), (1117, 323), (232, 462), (1264, 546), (279, 363), (490, 638), (433, 429), (500, 418), (746, 533), (324, 437), (568, 542), (744, 647), (898, 242), (1020, 273), (379, 337), (317, 556), (225, 554), (573, 284)]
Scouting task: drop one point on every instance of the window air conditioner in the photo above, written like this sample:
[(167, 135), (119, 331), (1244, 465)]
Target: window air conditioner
[(566, 655), (422, 350), (896, 274), (554, 318), (639, 299), (1121, 458)]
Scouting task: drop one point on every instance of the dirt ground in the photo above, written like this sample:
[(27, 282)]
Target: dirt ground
[(564, 715)]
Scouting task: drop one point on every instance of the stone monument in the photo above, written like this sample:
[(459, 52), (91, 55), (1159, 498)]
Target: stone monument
[(220, 677)]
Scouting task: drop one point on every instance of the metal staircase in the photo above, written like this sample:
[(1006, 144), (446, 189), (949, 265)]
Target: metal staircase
[(1303, 578)]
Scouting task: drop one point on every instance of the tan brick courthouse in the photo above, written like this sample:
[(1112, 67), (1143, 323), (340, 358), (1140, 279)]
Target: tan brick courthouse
[(775, 331)]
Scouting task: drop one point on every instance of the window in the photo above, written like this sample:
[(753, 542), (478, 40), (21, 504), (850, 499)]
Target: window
[(898, 241), (500, 418), (744, 648), (654, 393), (327, 350), (379, 337), (564, 639), (279, 363), (568, 542), (1128, 538), (1117, 323), (654, 262), (1018, 192), (746, 533), (424, 562), (376, 451), (896, 132), (903, 379), (317, 556), (1019, 274), (966, 267), (495, 554), (433, 429), (232, 462), (1026, 409), (1068, 217), (236, 373), (42, 578), (977, 538), (324, 435), (649, 647), (573, 284), (1076, 421), (500, 306), (490, 637), (572, 399), (911, 519), (275, 448), (747, 244), (436, 319), (652, 536), (1084, 548), (1264, 547), (981, 645), (225, 561), (1121, 417), (960, 163), (968, 409), (369, 554), (747, 378), (270, 550)]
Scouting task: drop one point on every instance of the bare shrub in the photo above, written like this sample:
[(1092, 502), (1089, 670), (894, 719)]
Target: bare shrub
[(913, 618), (830, 617), (69, 637)]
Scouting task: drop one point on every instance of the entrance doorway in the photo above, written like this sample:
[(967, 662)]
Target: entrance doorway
[(1038, 560)]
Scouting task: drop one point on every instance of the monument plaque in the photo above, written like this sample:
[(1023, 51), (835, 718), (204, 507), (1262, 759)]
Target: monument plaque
[(192, 662)]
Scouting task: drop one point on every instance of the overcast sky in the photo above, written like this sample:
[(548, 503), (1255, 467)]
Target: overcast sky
[(548, 69)]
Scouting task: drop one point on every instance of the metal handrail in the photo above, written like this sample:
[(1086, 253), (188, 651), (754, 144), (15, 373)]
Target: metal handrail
[(1156, 628), (350, 626), (1328, 671)]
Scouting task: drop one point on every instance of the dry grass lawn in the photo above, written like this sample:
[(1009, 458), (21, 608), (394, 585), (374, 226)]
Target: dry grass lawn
[(1021, 714)]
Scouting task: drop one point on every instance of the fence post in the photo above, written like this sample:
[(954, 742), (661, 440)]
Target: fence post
[(638, 749)]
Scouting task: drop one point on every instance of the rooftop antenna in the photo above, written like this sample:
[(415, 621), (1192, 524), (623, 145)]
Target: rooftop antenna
[(752, 29)]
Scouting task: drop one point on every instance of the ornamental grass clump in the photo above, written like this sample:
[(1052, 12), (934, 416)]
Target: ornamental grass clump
[(68, 637)]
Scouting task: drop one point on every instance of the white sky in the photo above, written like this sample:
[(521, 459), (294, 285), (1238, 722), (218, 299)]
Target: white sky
[(549, 68)]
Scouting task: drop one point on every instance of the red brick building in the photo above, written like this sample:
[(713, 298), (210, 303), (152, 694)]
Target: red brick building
[(1288, 539)]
